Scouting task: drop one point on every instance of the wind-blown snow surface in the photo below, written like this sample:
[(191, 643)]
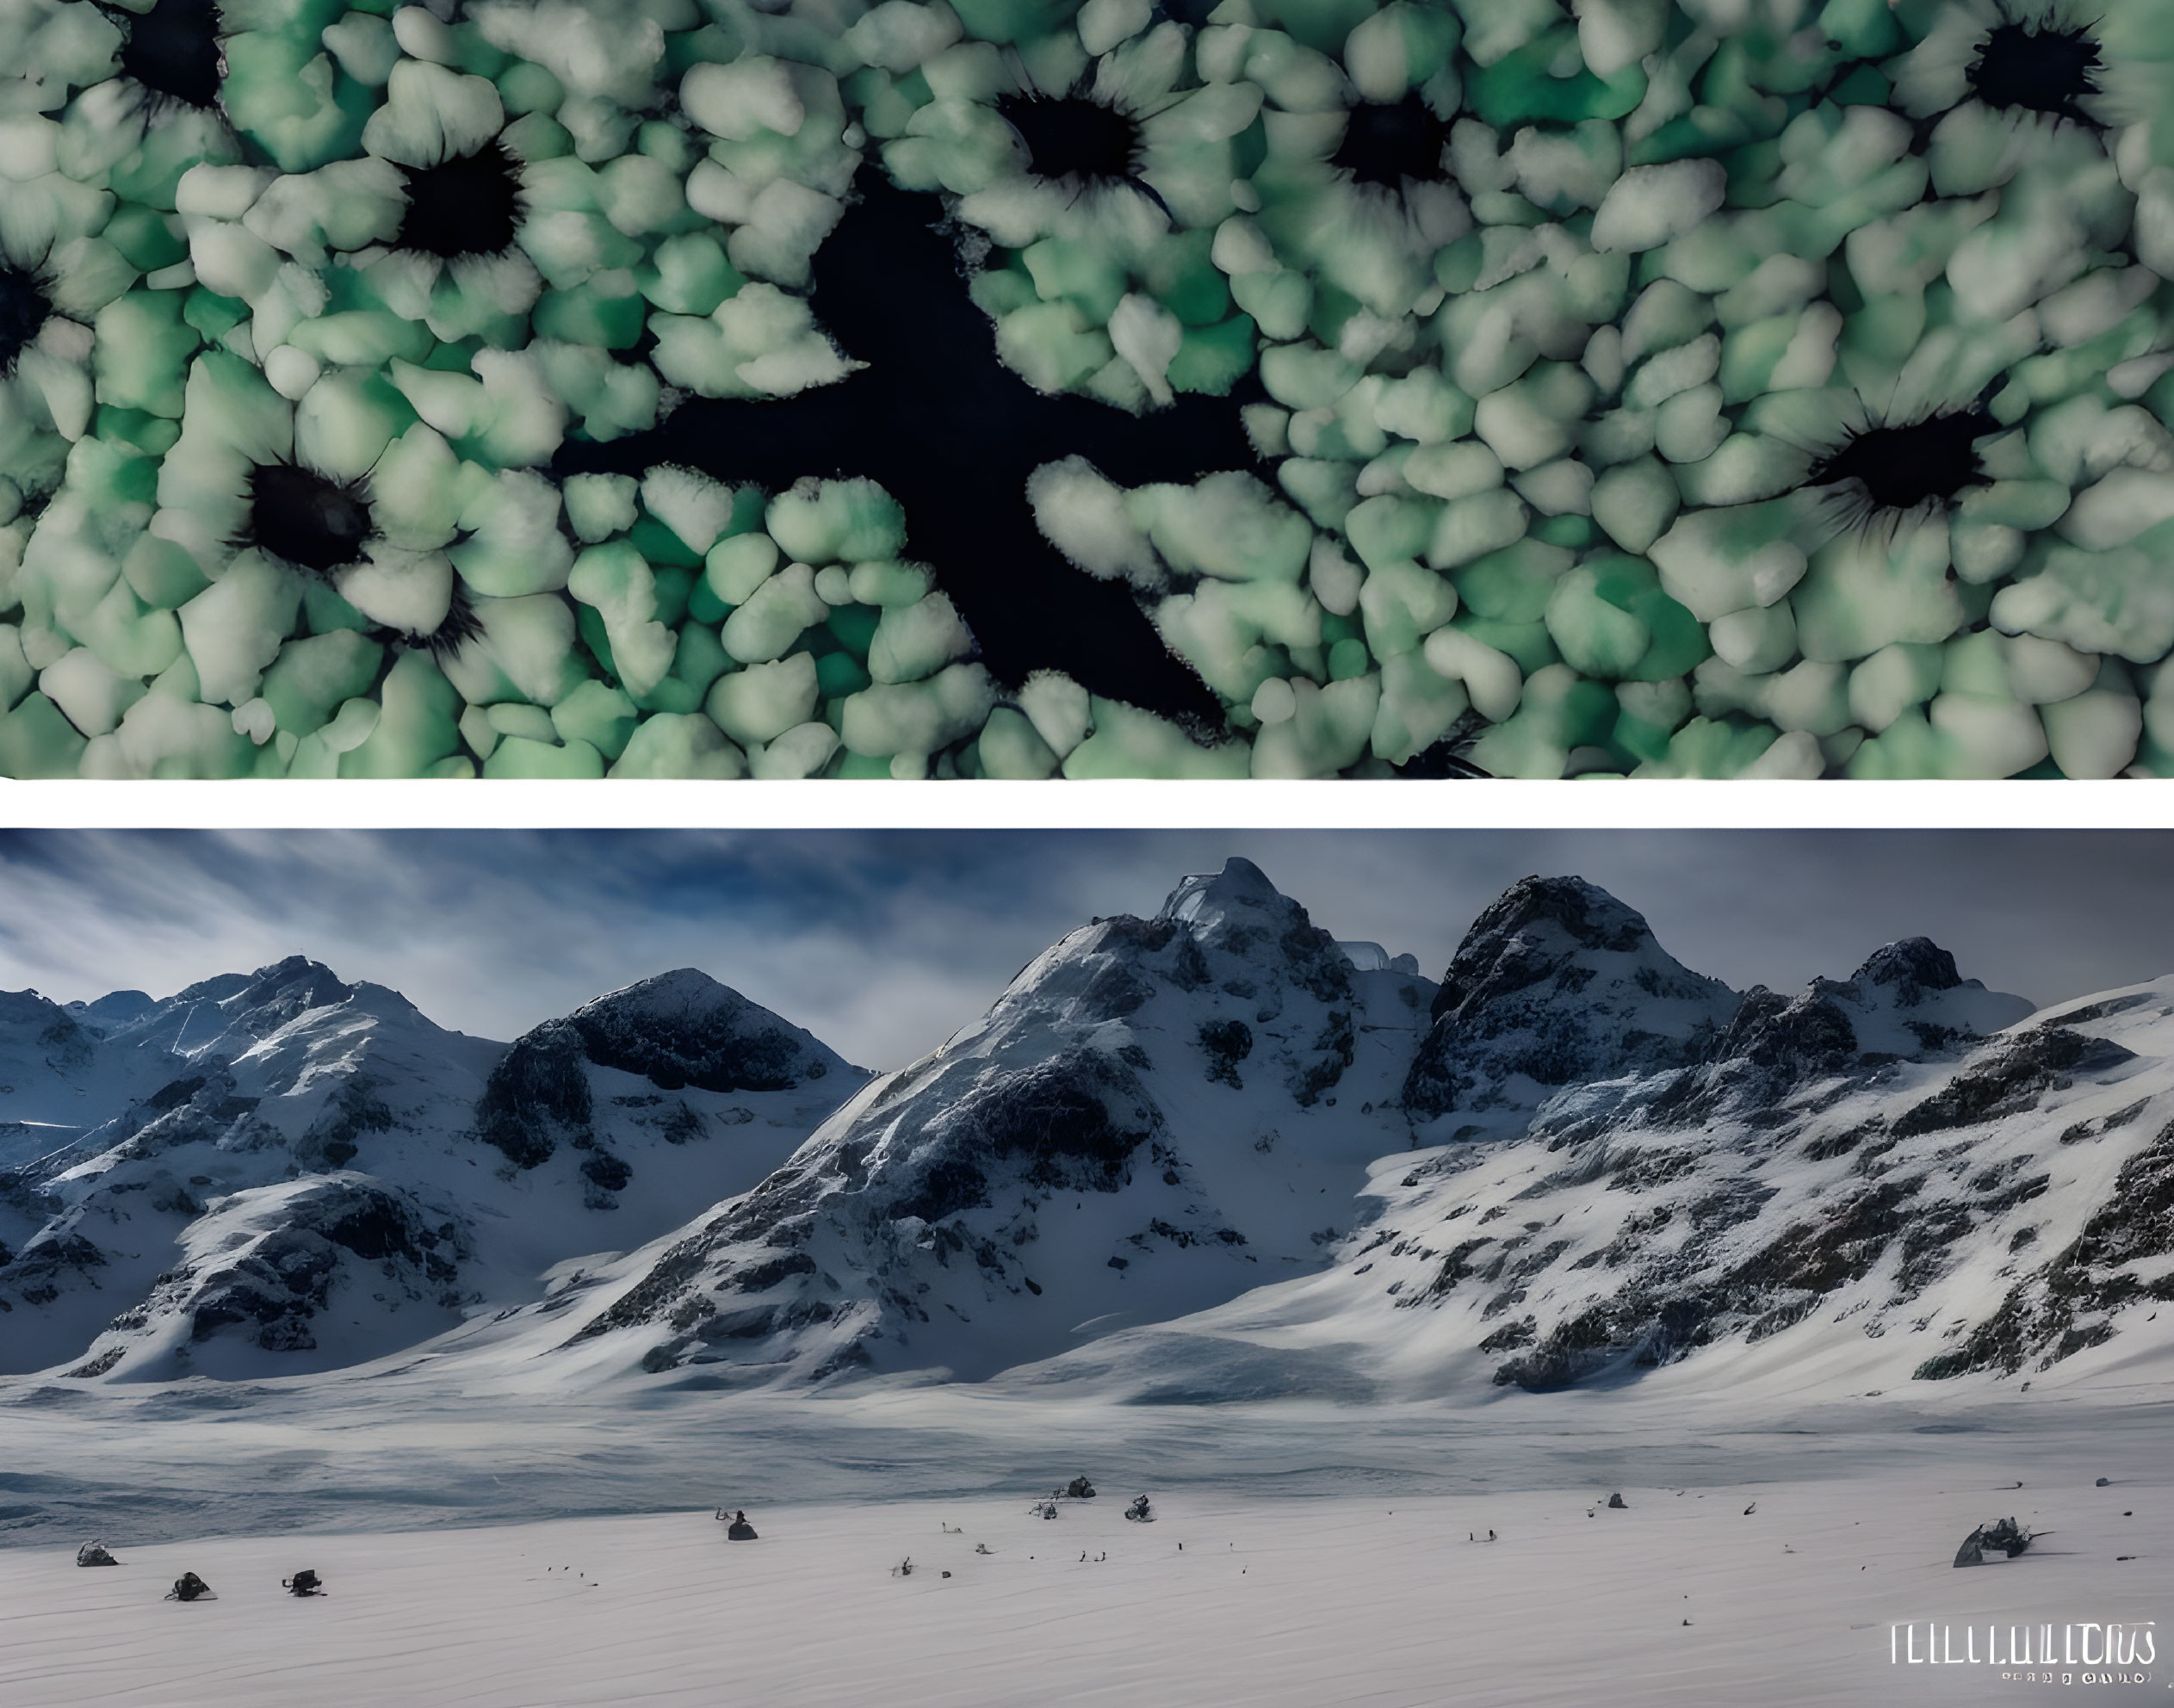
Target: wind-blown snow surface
[(295, 1174), (1346, 1585)]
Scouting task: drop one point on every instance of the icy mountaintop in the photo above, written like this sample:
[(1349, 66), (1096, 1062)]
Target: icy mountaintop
[(1557, 983), (280, 1172), (1795, 1214), (1155, 1116), (65, 1070)]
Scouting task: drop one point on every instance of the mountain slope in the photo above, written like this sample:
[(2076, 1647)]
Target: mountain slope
[(1156, 1115), (329, 1176), (1796, 1210), (59, 1075)]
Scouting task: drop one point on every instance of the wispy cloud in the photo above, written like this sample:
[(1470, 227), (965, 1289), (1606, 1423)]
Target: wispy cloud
[(883, 942)]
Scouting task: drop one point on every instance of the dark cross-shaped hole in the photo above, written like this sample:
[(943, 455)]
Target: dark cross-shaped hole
[(172, 49), (468, 205), (953, 434), (24, 308), (1071, 137), (1906, 467), (2040, 70), (297, 514), (1386, 142)]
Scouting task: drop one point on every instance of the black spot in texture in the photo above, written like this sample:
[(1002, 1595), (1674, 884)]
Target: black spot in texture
[(1071, 137), (299, 515), (2039, 71), (468, 205), (24, 307), (461, 625), (1903, 468), (1386, 142), (173, 49)]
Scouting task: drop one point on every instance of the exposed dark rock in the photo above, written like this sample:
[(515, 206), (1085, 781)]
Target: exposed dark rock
[(1334, 1049), (2008, 1076), (334, 1138), (2066, 1305), (1514, 1001), (284, 1279), (606, 1173), (1912, 967), (1227, 1043), (684, 1029), (537, 1095), (1075, 1120), (174, 1093)]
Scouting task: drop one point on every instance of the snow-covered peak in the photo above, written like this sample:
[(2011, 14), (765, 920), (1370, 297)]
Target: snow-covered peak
[(1155, 1114), (112, 1009), (27, 1011), (228, 1014), (1208, 898), (683, 1028), (1556, 983), (1909, 999), (282, 1170)]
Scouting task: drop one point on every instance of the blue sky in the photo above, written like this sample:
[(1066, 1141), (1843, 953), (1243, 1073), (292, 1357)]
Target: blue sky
[(884, 942)]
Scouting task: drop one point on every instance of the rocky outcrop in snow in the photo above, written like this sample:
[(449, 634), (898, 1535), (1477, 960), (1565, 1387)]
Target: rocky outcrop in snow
[(1556, 983), (1799, 1192), (1156, 1115)]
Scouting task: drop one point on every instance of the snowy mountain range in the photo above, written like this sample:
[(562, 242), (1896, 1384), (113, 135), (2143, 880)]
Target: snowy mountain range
[(282, 1164), (1213, 1153)]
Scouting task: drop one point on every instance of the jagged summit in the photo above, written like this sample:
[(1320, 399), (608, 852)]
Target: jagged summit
[(1205, 896), (225, 1014), (1557, 983), (1907, 1002), (1912, 966), (1536, 930)]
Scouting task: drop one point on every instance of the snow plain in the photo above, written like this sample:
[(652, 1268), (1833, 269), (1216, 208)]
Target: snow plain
[(1324, 1557), (1351, 1598)]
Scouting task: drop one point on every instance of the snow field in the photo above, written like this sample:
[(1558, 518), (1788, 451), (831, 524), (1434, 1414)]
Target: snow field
[(1364, 1599)]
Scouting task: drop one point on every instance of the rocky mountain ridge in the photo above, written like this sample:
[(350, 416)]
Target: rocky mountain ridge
[(1171, 1143), (308, 1168)]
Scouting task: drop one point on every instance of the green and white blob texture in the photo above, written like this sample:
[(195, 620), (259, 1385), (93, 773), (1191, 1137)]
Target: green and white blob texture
[(1532, 462)]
